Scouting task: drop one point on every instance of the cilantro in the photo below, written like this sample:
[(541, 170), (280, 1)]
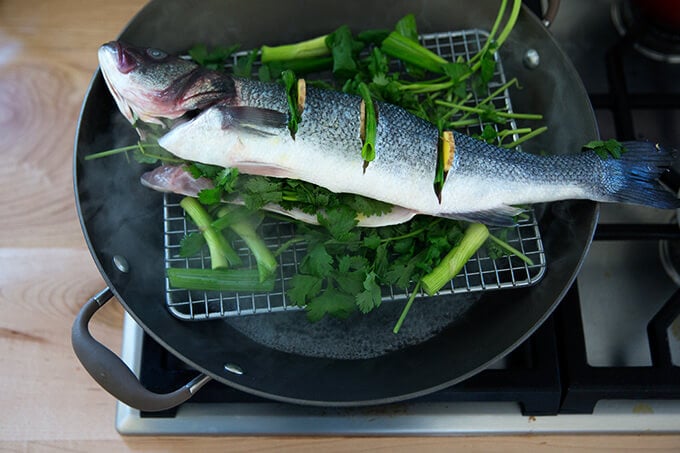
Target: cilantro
[(606, 149), (350, 282), (198, 170), (370, 297), (212, 59), (355, 263), (210, 196), (191, 244), (317, 261), (401, 274), (333, 302), (224, 181), (257, 191), (244, 64), (494, 250), (343, 47), (489, 134), (340, 222), (372, 240), (303, 288), (366, 206), (378, 67)]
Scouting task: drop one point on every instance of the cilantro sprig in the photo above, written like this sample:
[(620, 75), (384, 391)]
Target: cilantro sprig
[(606, 148)]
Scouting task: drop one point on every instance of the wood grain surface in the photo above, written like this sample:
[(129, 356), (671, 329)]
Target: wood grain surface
[(47, 401)]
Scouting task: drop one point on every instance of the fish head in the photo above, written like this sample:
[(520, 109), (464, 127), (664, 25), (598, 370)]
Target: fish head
[(150, 85)]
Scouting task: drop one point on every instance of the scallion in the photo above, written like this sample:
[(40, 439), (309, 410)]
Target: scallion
[(475, 236), (221, 253), (246, 280)]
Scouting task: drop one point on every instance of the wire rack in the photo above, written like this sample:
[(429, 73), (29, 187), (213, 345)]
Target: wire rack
[(481, 273)]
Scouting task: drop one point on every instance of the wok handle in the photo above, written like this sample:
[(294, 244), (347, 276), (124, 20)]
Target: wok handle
[(113, 374), (550, 12)]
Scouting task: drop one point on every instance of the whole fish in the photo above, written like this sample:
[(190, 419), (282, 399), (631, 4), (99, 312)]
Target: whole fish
[(242, 123)]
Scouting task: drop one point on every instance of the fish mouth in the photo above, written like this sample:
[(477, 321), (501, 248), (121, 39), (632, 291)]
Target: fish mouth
[(125, 61), (109, 58)]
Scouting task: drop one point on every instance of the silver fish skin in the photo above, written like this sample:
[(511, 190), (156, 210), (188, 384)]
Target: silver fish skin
[(243, 124)]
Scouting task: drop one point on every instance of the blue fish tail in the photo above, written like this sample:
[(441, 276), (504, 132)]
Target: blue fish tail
[(634, 177)]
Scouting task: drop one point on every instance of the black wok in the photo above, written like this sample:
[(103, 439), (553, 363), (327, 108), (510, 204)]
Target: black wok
[(282, 357)]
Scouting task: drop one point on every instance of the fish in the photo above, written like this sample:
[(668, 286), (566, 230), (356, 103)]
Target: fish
[(231, 122)]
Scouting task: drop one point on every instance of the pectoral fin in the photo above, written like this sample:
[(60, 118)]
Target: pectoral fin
[(253, 119)]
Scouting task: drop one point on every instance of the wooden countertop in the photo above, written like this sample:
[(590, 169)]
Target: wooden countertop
[(47, 401)]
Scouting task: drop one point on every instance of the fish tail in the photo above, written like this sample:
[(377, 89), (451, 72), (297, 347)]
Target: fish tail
[(634, 177)]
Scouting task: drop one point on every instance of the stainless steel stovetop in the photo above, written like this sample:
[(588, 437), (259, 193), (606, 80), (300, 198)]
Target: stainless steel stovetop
[(621, 285)]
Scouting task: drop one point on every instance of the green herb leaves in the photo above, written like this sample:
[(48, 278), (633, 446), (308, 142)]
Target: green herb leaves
[(214, 58), (343, 48), (224, 180), (606, 148), (369, 125), (294, 112), (354, 264)]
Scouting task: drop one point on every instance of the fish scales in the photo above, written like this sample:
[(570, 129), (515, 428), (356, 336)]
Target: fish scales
[(489, 177), (331, 120)]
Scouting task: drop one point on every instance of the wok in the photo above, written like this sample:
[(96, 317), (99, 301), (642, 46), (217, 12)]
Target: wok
[(281, 356)]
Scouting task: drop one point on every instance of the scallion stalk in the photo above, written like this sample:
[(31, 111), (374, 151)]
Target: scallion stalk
[(514, 14), (315, 47), (266, 262), (526, 137), (247, 280), (407, 308), (221, 253), (500, 113), (510, 249), (475, 236), (411, 52), (244, 224)]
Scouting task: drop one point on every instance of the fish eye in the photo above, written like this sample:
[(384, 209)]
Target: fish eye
[(156, 54)]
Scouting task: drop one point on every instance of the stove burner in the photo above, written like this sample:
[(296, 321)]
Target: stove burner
[(651, 39)]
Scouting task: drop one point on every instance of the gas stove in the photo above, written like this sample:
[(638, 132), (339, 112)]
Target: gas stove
[(607, 360)]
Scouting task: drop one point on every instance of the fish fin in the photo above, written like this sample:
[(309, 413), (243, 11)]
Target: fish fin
[(500, 216), (253, 119), (633, 178)]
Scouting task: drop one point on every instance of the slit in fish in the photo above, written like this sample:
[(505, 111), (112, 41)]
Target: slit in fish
[(446, 148), (362, 126)]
